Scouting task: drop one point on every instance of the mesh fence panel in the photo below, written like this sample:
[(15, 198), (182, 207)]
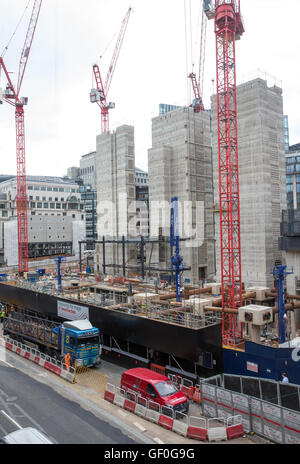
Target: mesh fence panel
[(289, 397), (232, 383), (269, 391), (251, 387)]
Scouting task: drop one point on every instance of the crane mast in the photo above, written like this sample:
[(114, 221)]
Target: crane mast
[(12, 96), (228, 28), (99, 94)]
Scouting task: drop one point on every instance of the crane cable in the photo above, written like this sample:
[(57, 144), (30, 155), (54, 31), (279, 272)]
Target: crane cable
[(186, 54), (14, 33)]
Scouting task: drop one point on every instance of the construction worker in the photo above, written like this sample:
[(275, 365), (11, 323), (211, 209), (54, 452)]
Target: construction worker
[(3, 313), (68, 361), (284, 378)]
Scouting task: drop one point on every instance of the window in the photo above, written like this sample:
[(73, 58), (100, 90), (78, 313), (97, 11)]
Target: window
[(37, 198), (52, 205), (61, 190), (36, 187), (44, 198), (55, 189), (50, 198), (4, 214), (32, 204), (43, 188), (56, 199), (30, 187), (166, 388), (39, 205), (46, 205), (58, 205), (49, 189), (150, 390)]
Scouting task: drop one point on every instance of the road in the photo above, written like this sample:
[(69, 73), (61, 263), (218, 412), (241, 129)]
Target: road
[(26, 402), (76, 413)]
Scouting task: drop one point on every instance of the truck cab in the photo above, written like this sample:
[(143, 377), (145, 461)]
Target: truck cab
[(81, 340)]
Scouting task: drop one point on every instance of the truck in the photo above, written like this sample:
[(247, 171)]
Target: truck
[(78, 338)]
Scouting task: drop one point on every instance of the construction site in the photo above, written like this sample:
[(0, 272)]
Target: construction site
[(187, 277)]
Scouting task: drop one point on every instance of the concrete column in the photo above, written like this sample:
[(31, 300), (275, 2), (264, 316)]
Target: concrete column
[(255, 333), (295, 191)]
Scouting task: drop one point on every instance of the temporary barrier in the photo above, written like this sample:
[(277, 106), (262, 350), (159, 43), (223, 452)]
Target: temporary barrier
[(234, 427), (129, 405), (58, 368), (159, 369), (141, 407), (197, 428), (175, 379), (110, 392), (166, 418), (193, 427), (130, 401), (209, 403), (119, 397), (180, 424), (291, 427), (241, 406), (187, 388), (197, 397), (153, 412), (216, 431)]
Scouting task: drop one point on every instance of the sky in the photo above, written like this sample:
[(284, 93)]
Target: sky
[(159, 49)]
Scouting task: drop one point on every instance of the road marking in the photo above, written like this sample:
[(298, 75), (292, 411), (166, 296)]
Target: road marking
[(158, 441), (9, 418), (139, 426), (122, 413)]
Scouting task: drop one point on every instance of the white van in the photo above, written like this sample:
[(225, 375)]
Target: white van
[(26, 436)]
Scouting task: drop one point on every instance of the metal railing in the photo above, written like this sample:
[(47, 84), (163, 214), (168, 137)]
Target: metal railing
[(169, 314)]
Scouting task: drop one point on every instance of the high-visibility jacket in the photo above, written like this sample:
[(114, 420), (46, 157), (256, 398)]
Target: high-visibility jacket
[(3, 314)]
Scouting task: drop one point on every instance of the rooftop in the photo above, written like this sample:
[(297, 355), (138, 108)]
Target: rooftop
[(46, 179)]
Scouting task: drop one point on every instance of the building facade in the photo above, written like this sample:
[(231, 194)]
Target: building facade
[(261, 177), (55, 214), (180, 165), (116, 195), (87, 169), (293, 177)]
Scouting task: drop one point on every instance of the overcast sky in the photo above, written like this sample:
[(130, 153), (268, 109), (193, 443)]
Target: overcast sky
[(62, 124)]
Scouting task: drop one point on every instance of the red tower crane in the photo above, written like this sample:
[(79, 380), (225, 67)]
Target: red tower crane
[(12, 96), (100, 93), (228, 28), (197, 82)]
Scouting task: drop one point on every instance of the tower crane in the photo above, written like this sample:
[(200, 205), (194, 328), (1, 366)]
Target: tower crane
[(228, 28), (99, 94), (11, 95), (197, 82)]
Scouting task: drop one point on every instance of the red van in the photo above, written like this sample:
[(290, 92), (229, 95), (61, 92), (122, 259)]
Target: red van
[(154, 387)]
